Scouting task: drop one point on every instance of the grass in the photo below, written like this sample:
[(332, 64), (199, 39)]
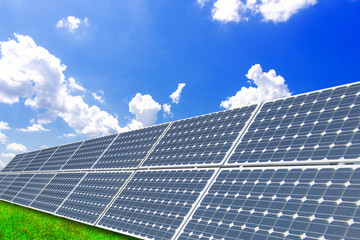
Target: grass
[(18, 222)]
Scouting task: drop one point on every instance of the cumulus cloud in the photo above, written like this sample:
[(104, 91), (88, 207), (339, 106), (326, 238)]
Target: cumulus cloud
[(8, 155), (4, 125), (2, 138), (71, 23), (69, 134), (175, 96), (269, 86), (167, 109), (37, 76), (227, 10), (33, 128), (99, 96), (145, 110), (271, 10), (16, 147), (2, 165), (74, 86)]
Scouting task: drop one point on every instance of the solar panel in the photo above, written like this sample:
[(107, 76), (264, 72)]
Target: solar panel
[(279, 203), (154, 203), (88, 153), (130, 148), (22, 164), (40, 159), (61, 155), (56, 191), (201, 140), (92, 195), (7, 180), (29, 192), (13, 162), (318, 126), (16, 186)]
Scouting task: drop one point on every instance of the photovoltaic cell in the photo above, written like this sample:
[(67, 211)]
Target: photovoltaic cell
[(13, 162), (130, 148), (16, 186), (279, 203), (22, 164), (7, 180), (322, 125), (40, 159), (200, 140), (58, 159), (56, 191), (32, 189), (92, 195), (88, 153), (154, 203)]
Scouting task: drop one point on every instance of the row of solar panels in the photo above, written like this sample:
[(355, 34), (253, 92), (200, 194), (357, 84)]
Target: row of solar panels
[(229, 199), (316, 127), (229, 203)]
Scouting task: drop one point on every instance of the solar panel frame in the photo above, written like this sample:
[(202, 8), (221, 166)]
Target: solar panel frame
[(80, 187), (13, 162), (122, 141), (320, 178), (88, 153), (212, 160), (63, 154), (31, 189), (19, 182), (322, 94), (40, 159), (139, 177)]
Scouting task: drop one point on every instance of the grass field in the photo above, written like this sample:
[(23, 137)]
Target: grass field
[(23, 223)]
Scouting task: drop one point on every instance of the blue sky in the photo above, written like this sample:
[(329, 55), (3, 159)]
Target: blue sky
[(131, 64)]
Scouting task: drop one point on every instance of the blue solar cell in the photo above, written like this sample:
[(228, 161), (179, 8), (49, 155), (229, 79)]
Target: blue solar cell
[(200, 140), (13, 162), (16, 186), (88, 153), (56, 191), (316, 126), (130, 148), (294, 203), (154, 203), (24, 162), (6, 181), (40, 159), (92, 195), (32, 189), (58, 159)]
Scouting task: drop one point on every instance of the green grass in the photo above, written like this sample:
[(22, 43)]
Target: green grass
[(23, 223)]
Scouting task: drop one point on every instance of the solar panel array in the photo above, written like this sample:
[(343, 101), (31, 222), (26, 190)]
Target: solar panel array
[(283, 169)]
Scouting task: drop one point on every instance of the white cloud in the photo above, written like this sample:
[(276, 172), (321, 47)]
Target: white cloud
[(71, 23), (33, 128), (16, 147), (4, 125), (34, 74), (271, 10), (167, 109), (2, 138), (8, 155), (69, 135), (227, 10), (99, 96), (145, 109), (2, 165), (175, 96), (74, 86), (269, 86), (279, 10)]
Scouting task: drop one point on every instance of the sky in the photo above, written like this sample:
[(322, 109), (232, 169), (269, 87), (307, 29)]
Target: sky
[(75, 70)]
